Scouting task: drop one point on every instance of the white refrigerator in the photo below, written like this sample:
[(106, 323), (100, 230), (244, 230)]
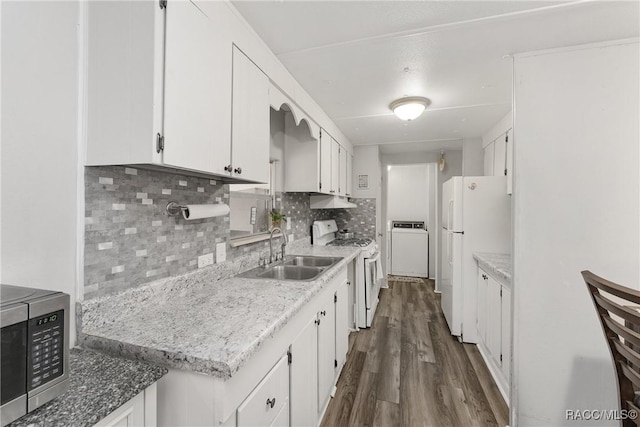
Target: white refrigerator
[(476, 217)]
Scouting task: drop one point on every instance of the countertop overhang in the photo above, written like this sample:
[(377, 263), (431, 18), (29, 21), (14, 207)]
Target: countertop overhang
[(193, 322)]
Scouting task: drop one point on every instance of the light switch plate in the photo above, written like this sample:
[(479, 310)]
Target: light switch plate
[(288, 223), (221, 252), (205, 260)]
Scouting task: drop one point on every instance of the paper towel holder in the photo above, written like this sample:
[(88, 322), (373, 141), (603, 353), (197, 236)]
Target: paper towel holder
[(175, 209)]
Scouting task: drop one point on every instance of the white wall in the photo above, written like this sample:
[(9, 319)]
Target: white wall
[(366, 161), (39, 146), (576, 207), (453, 168), (472, 157), (407, 193)]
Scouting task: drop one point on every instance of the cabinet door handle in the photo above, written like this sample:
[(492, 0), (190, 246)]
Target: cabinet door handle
[(323, 312), (317, 322), (238, 171), (332, 191), (228, 168), (271, 402)]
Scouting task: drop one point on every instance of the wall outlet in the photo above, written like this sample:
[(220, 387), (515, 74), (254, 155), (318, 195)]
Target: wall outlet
[(288, 223), (221, 252), (205, 260), (290, 236)]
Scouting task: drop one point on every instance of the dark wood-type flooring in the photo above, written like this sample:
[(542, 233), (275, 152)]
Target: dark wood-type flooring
[(407, 369)]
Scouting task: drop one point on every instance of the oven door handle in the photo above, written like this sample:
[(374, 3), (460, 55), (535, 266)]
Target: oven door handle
[(373, 258)]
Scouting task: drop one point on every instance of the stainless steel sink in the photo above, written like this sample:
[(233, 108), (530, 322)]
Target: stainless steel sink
[(291, 272), (293, 267), (310, 261)]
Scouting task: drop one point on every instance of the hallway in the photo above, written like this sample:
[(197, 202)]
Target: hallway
[(407, 370)]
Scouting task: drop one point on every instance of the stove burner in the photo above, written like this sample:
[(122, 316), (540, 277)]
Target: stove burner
[(350, 242)]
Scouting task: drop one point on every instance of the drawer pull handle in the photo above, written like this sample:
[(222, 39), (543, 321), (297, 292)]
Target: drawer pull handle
[(271, 402)]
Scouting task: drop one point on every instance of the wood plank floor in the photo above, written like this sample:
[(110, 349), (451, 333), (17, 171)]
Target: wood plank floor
[(407, 370)]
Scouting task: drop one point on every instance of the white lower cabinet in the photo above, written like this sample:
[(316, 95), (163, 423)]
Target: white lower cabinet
[(139, 411), (342, 325), (482, 305), (494, 328), (318, 355), (304, 387), (505, 343), (494, 319), (287, 382), (263, 406), (282, 419), (326, 351)]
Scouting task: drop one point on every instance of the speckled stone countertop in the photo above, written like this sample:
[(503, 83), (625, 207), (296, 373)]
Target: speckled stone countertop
[(195, 322), (99, 385), (498, 264)]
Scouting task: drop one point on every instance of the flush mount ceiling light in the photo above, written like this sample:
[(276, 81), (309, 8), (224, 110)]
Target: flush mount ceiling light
[(409, 108)]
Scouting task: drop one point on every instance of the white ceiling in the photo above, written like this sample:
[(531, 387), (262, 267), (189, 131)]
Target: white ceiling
[(355, 57)]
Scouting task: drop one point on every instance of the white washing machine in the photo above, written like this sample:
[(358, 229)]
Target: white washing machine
[(409, 249)]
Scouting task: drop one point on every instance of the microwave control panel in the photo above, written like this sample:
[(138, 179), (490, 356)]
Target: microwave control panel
[(46, 338)]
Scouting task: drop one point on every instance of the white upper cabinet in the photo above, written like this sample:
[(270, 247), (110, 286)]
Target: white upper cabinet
[(124, 75), (497, 156), (159, 91), (197, 118), (326, 147), (335, 167), (250, 120), (500, 156), (349, 191), (342, 186)]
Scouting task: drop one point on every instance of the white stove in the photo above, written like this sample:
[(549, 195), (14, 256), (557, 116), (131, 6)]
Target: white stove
[(367, 272)]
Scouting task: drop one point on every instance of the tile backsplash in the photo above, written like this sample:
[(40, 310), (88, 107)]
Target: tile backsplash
[(129, 239), (361, 220)]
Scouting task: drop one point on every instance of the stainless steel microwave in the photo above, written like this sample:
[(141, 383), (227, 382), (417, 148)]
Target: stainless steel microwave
[(35, 349)]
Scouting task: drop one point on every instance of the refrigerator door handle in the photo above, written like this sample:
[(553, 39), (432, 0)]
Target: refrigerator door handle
[(449, 248), (450, 215)]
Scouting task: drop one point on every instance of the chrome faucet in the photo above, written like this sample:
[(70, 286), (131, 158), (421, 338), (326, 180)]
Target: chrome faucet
[(284, 243)]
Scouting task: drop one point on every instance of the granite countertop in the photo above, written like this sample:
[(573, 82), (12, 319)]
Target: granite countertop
[(99, 384), (195, 322), (498, 264)]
